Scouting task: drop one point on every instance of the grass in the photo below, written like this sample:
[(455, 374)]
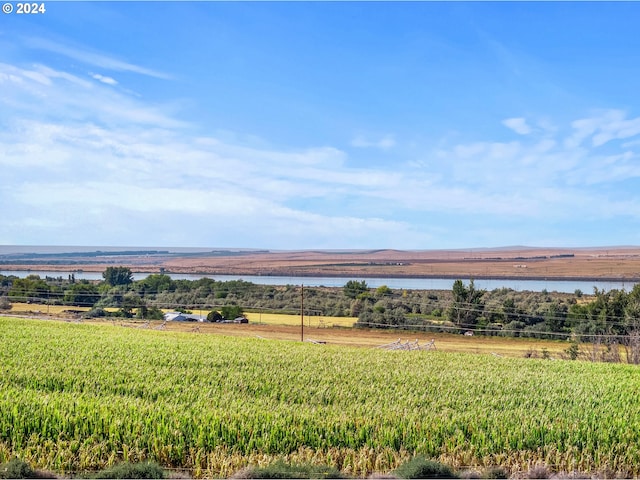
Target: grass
[(254, 317), (43, 309), (294, 320), (77, 397), (333, 330)]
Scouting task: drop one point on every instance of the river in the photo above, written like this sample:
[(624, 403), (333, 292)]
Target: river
[(565, 286)]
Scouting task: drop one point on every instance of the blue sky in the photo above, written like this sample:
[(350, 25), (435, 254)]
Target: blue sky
[(297, 125)]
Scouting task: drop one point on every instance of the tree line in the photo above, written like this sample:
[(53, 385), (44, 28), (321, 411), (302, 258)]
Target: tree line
[(149, 296), (465, 308)]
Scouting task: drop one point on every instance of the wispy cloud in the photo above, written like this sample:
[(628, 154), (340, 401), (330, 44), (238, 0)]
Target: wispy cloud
[(104, 79), (97, 165), (603, 127), (518, 125), (71, 98), (363, 141), (91, 58), (112, 153)]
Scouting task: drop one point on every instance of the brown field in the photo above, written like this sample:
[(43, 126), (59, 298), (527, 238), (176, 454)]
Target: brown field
[(512, 347), (35, 309), (287, 328), (619, 263), (254, 317)]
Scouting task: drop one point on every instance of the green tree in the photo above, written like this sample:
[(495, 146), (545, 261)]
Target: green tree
[(632, 309), (129, 302), (555, 317), (149, 313), (83, 294), (214, 316), (467, 304), (353, 288), (383, 291), (31, 288), (154, 284), (118, 276), (229, 312), (510, 312)]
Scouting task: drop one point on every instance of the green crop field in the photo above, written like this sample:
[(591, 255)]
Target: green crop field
[(77, 397)]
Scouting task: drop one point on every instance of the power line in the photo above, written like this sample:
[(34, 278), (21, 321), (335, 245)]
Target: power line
[(239, 287)]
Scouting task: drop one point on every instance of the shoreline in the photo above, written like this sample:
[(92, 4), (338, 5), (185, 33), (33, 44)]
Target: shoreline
[(69, 269), (506, 264)]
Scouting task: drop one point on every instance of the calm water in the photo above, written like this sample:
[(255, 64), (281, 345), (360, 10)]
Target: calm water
[(566, 286)]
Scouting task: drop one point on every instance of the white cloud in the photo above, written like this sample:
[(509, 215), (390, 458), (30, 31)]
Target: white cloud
[(518, 125), (104, 79), (617, 130), (94, 163), (362, 141), (92, 58), (603, 128), (70, 98), (118, 165)]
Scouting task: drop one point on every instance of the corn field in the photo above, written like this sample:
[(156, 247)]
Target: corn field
[(78, 397)]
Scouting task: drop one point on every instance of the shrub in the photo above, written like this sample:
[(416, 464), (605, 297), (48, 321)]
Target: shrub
[(96, 312), (17, 468), (539, 471), (420, 467), (280, 469), (573, 351), (575, 475), (5, 304), (495, 473), (132, 470), (229, 312), (150, 313), (470, 474)]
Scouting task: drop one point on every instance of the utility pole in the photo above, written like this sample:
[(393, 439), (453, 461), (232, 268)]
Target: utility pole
[(302, 313)]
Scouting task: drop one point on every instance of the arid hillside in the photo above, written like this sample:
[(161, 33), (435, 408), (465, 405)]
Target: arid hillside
[(512, 262)]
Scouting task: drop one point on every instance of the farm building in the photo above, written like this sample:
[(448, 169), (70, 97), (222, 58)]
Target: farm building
[(184, 317)]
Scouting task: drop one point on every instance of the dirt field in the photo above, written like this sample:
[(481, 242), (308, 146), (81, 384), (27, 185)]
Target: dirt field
[(326, 335), (512, 347), (257, 318), (620, 263)]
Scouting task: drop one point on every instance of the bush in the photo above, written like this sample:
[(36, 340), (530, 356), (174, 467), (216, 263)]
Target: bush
[(16, 468), (470, 474), (132, 470), (573, 351), (150, 313), (420, 467), (96, 312), (230, 312), (495, 473), (5, 304), (280, 469), (539, 471)]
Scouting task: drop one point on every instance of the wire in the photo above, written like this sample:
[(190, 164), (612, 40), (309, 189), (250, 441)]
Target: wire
[(240, 287)]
